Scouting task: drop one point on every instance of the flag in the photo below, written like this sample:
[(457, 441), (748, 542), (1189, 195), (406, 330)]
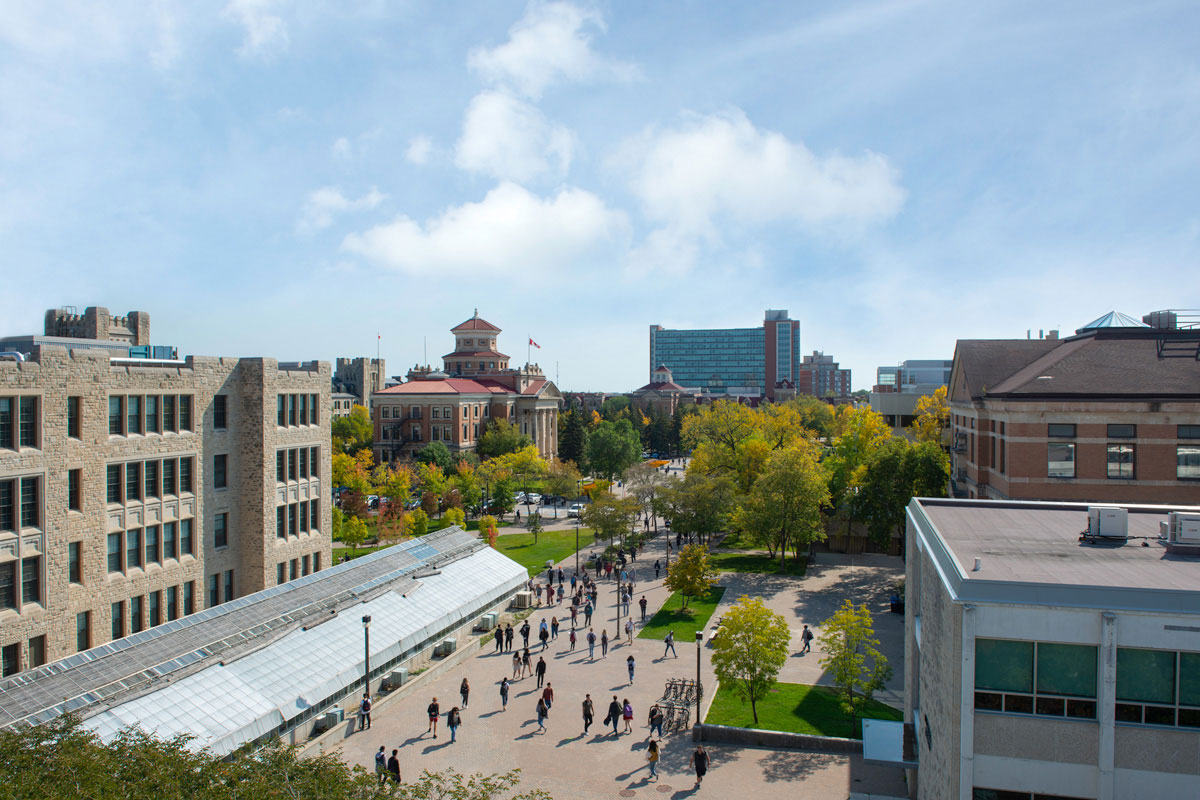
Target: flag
[(535, 344)]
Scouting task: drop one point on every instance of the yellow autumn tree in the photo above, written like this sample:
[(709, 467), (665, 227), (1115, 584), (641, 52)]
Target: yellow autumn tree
[(933, 415)]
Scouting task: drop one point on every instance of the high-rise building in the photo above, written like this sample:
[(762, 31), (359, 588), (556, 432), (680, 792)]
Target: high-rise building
[(821, 376), (737, 361), (897, 389), (134, 491)]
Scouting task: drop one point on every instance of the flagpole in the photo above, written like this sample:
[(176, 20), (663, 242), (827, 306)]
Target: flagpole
[(528, 352)]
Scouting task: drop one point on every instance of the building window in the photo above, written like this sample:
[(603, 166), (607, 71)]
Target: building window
[(152, 552), (214, 590), (291, 462), (280, 573), (74, 499), (133, 548), (185, 412), (281, 522), (116, 416), (1062, 430), (220, 417), (219, 464), (133, 481), (185, 474), (281, 410), (228, 585), (10, 660), (316, 562), (313, 418), (169, 471), (118, 620), (305, 565), (436, 413), (135, 614), (303, 409), (30, 507), (114, 553), (134, 416), (150, 468), (186, 542), (1060, 460), (75, 562), (1048, 679), (314, 515), (1158, 687), (291, 409), (189, 597), (1122, 431), (168, 541), (220, 531), (1184, 432), (303, 516), (155, 608), (74, 429), (1120, 460), (8, 585), (6, 424), (29, 422), (172, 603), (83, 631), (37, 651), (170, 422), (153, 424), (303, 462), (31, 580), (292, 570), (313, 461), (1187, 462), (293, 529)]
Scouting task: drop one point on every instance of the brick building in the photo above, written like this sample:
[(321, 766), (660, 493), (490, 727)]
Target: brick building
[(663, 393), (134, 491), (454, 405), (820, 376), (1112, 413)]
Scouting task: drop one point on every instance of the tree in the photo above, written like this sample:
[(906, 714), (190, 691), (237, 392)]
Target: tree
[(433, 485), (466, 482), (613, 447), (338, 520), (490, 530), (354, 532), (859, 432), (572, 445), (848, 640), (610, 516), (698, 505), (535, 524), (353, 432), (691, 575), (523, 464), (644, 482), (353, 471), (435, 453), (784, 507), (615, 408), (499, 438), (927, 470), (420, 522), (393, 481), (502, 496), (933, 416), (752, 648), (455, 516), (815, 414), (897, 472)]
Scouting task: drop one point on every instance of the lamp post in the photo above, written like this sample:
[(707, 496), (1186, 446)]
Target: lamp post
[(577, 523), (366, 621), (699, 639)]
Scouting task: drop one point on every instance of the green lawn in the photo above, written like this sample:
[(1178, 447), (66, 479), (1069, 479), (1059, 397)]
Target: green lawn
[(795, 708), (757, 562), (685, 622), (551, 546)]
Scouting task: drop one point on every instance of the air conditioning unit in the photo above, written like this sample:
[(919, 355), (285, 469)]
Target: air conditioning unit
[(486, 622), (522, 600), (1181, 532), (445, 647), (331, 719), (395, 679), (1108, 522)]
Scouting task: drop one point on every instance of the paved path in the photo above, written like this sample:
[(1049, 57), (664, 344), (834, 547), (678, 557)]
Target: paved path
[(568, 764)]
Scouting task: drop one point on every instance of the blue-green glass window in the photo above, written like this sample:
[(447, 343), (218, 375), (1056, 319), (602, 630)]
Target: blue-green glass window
[(1146, 676), (1003, 665), (1068, 669)]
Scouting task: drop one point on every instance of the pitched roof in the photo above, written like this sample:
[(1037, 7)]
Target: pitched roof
[(980, 364), (476, 323), (663, 386), (442, 386)]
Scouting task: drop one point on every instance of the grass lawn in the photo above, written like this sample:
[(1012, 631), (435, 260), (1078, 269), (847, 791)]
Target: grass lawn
[(685, 622), (551, 546), (796, 708), (353, 552), (757, 562)]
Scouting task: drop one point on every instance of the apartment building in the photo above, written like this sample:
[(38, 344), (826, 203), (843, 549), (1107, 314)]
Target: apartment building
[(820, 376), (135, 491), (1050, 652), (1111, 413)]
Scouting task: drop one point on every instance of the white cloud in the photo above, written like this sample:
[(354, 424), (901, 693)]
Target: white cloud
[(342, 149), (266, 32), (420, 148), (722, 167), (328, 202), (510, 139), (510, 231), (551, 43)]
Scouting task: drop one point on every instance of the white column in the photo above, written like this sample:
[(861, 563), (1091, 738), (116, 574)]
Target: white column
[(966, 703), (1106, 705)]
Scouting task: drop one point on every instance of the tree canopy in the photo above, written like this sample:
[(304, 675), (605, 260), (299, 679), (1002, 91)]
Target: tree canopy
[(783, 508), (572, 444), (852, 656), (613, 447), (933, 416), (691, 574), (499, 438), (698, 504), (435, 453), (353, 432), (752, 648), (610, 516)]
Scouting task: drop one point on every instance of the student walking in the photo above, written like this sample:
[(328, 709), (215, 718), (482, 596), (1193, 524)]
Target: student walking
[(453, 720), (669, 640), (554, 627), (629, 630), (558, 594), (591, 640), (508, 637), (656, 720), (629, 664), (614, 715), (544, 636), (574, 614), (364, 713), (499, 637), (381, 765), (604, 643), (589, 712), (701, 761), (516, 665), (433, 711), (540, 671), (806, 637), (525, 633), (504, 694), (548, 696), (587, 613), (627, 715), (652, 758), (464, 689), (526, 664), (571, 639), (657, 567), (393, 765), (642, 604), (542, 713)]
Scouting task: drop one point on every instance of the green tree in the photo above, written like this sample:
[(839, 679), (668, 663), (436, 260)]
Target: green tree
[(752, 648), (698, 504), (466, 482), (933, 416), (927, 470), (435, 453), (613, 447), (615, 408), (572, 445), (393, 481), (353, 432), (897, 472), (501, 437), (691, 574), (455, 516), (815, 414), (859, 433), (489, 529), (644, 482), (354, 531), (419, 521), (783, 509), (338, 520), (502, 496), (535, 524), (852, 657), (610, 516)]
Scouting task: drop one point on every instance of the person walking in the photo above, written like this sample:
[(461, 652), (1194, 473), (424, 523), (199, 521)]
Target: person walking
[(516, 665), (554, 627), (652, 758), (549, 594), (669, 640), (548, 695), (544, 636), (656, 720), (591, 640), (364, 713), (540, 671), (700, 761), (657, 567), (558, 594), (614, 715), (642, 604), (464, 689), (453, 720), (508, 637), (526, 664), (627, 715), (629, 629), (589, 712), (504, 694), (806, 637), (561, 576), (571, 639), (499, 637), (587, 613), (525, 633), (604, 643), (542, 713), (574, 614), (629, 664), (433, 711), (381, 765), (393, 765)]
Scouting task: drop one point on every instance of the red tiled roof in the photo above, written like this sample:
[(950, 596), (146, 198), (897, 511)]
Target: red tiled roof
[(442, 386), (476, 323), (534, 387)]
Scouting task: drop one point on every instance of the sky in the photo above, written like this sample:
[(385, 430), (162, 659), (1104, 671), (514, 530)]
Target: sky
[(315, 179)]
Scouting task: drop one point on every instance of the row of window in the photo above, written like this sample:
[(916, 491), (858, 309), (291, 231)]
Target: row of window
[(215, 583), (1120, 460), (294, 519), (1066, 430), (139, 480), (297, 463), (18, 422), (20, 503), (10, 656), (292, 410), (25, 574), (153, 609), (138, 548), (1154, 687), (298, 567), (458, 365), (141, 414), (435, 412)]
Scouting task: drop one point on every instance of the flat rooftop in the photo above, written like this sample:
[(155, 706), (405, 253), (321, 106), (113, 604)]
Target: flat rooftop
[(1038, 545)]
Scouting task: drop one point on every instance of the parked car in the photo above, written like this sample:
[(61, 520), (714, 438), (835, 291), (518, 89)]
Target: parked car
[(533, 498), (576, 510)]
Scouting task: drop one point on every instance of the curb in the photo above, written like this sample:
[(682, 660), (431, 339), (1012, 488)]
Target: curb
[(752, 737)]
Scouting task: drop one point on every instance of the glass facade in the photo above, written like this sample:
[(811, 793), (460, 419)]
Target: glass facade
[(715, 360)]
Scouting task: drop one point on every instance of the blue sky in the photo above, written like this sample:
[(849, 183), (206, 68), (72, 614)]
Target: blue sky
[(292, 179)]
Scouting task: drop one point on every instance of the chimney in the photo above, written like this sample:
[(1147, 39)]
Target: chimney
[(1041, 333), (1052, 335)]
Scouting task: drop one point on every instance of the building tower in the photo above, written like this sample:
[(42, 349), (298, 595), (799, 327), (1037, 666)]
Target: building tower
[(474, 349)]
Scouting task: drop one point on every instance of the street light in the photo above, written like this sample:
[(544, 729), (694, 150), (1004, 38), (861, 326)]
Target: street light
[(578, 521), (699, 639), (366, 621)]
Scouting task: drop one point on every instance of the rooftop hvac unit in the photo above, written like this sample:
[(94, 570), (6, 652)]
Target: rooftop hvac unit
[(1182, 532), (330, 719), (445, 647), (522, 600), (396, 678), (486, 622), (1108, 522)]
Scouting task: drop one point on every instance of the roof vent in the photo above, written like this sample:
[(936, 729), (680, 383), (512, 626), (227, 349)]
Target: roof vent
[(1181, 532), (1108, 522)]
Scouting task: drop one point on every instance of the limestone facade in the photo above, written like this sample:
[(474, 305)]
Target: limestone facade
[(115, 465)]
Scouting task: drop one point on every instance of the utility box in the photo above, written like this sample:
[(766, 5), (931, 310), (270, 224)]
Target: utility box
[(396, 678), (1108, 522), (486, 622), (522, 600), (445, 647)]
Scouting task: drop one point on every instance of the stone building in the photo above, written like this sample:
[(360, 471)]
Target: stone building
[(342, 403), (454, 405), (134, 491), (360, 377)]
